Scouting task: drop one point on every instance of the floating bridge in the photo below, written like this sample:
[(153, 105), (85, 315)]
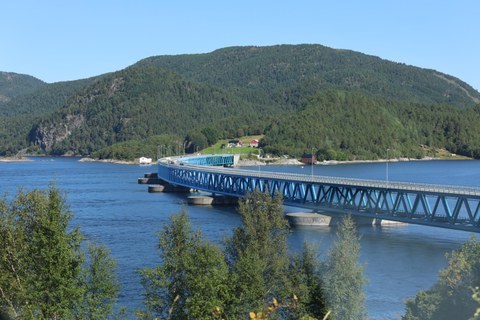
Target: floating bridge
[(453, 207)]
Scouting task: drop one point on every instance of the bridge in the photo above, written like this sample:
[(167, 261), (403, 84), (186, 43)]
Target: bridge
[(452, 207)]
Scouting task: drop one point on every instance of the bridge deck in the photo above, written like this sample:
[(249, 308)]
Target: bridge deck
[(447, 206)]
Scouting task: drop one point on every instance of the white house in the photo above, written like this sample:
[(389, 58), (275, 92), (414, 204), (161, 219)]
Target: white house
[(144, 160)]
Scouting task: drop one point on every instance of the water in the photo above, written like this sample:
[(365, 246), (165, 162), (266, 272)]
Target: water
[(112, 208)]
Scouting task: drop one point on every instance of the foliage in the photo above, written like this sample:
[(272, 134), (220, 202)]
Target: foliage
[(257, 252), (152, 147), (476, 297), (344, 279), (306, 278), (451, 296), (41, 260), (288, 74), (350, 126), (100, 286), (192, 280), (13, 85), (250, 90), (198, 280)]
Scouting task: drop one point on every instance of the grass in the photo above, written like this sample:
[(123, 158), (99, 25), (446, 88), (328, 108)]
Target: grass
[(443, 154), (217, 147)]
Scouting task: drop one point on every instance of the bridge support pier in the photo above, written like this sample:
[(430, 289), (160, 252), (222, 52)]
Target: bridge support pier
[(213, 200), (150, 178), (305, 219), (324, 220), (160, 185)]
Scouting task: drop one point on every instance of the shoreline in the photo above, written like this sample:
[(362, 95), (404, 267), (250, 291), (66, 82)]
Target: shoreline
[(248, 162), (15, 159)]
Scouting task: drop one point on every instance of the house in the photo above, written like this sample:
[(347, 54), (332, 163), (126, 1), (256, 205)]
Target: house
[(308, 158), (143, 160), (254, 143), (234, 144)]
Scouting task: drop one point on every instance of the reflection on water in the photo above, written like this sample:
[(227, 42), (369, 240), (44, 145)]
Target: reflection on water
[(110, 206)]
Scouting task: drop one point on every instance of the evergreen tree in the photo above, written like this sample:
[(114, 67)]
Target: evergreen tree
[(257, 252), (308, 287), (344, 279)]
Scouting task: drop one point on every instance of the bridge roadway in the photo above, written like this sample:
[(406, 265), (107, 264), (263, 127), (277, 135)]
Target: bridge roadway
[(453, 207)]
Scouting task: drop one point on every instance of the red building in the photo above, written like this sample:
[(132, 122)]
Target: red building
[(308, 158)]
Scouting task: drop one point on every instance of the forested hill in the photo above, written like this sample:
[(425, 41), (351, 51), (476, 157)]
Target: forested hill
[(45, 99), (290, 71), (14, 85), (278, 91)]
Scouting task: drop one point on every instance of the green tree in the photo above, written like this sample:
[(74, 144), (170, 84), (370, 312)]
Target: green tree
[(197, 280), (344, 279), (307, 283), (100, 284), (192, 281), (476, 297), (211, 134), (53, 259), (196, 141), (257, 252), (41, 260), (451, 296)]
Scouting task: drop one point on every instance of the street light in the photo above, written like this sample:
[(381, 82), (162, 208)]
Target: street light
[(312, 161), (387, 164)]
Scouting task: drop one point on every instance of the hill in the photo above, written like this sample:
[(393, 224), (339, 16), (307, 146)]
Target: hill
[(286, 73), (277, 91), (13, 85), (134, 104), (342, 125)]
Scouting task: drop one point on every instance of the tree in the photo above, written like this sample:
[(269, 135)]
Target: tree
[(100, 285), (257, 252), (192, 282), (41, 260), (210, 134), (476, 297), (307, 283), (48, 261), (451, 296), (196, 141), (344, 279), (198, 280)]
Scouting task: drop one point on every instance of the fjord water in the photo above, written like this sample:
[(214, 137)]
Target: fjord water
[(112, 208)]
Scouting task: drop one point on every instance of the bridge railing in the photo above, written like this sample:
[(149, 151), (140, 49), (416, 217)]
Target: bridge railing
[(367, 183)]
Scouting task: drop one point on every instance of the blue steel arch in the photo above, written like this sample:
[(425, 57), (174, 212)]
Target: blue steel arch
[(452, 207)]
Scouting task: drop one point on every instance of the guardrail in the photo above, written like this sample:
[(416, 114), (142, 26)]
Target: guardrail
[(367, 183)]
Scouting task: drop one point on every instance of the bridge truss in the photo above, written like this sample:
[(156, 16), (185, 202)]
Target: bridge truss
[(433, 205)]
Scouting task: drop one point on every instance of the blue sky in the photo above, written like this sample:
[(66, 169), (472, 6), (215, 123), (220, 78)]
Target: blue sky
[(73, 39)]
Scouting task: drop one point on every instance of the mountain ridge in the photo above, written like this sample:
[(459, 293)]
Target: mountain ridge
[(234, 91)]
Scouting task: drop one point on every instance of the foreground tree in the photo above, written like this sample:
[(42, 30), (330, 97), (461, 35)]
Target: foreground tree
[(192, 282), (344, 278), (40, 261), (308, 285), (254, 276), (100, 287), (451, 296), (257, 252)]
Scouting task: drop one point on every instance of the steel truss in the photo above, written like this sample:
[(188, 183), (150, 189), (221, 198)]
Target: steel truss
[(439, 206)]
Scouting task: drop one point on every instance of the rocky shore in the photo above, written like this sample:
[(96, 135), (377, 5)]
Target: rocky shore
[(107, 161), (14, 159)]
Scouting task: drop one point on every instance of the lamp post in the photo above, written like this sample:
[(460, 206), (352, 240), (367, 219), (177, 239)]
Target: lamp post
[(312, 162), (387, 164)]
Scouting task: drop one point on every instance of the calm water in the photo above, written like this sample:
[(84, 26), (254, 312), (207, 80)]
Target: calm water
[(111, 207)]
